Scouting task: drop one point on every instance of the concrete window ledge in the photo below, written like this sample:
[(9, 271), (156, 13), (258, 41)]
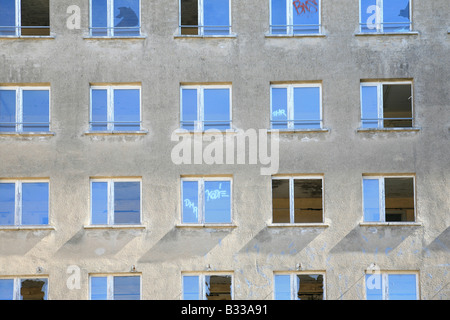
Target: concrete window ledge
[(394, 224), (408, 33), (122, 226), (207, 132), (209, 225), (110, 133), (298, 225), (27, 38), (31, 228), (193, 36), (293, 131), (26, 134), (143, 37), (316, 35), (388, 129)]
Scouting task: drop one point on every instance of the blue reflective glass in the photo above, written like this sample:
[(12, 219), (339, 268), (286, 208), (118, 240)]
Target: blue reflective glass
[(36, 110), (217, 109), (99, 202), (99, 109), (127, 288), (35, 203), (216, 17), (369, 110), (99, 18), (306, 16), (6, 289), (396, 17), (374, 287), (7, 203), (99, 288), (7, 17), (189, 108), (191, 288), (190, 201), (127, 109), (217, 201), (278, 17), (279, 108), (307, 108), (402, 287), (7, 110), (368, 16), (371, 198), (126, 18), (282, 288), (127, 202)]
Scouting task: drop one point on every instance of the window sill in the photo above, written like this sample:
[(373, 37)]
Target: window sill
[(116, 226), (406, 33), (306, 35), (384, 224), (210, 131), (282, 131), (206, 225), (31, 227), (110, 133), (415, 129), (36, 134), (212, 36), (27, 37), (142, 37), (298, 225)]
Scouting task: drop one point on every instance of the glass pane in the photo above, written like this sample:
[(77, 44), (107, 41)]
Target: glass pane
[(218, 287), (308, 200), (35, 203), (399, 199), (99, 109), (7, 17), (306, 16), (190, 202), (282, 287), (99, 202), (279, 108), (35, 13), (189, 114), (127, 109), (396, 16), (217, 201), (307, 108), (280, 201), (126, 18), (127, 288), (369, 109), (36, 115), (368, 16), (7, 110), (374, 287), (127, 202), (189, 17), (402, 287), (310, 287), (7, 203), (217, 109), (99, 288), (216, 16), (278, 16), (6, 289), (371, 200), (397, 106), (33, 289), (99, 19), (191, 290)]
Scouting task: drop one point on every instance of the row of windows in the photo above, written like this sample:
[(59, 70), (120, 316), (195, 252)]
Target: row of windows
[(202, 107), (208, 200), (219, 286), (122, 18)]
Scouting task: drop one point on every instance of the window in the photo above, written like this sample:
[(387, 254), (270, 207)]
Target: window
[(388, 199), (296, 106), (23, 288), (205, 17), (115, 108), (299, 286), (207, 287), (24, 109), (115, 18), (115, 201), (388, 16), (290, 17), (391, 286), (297, 200), (386, 105), (111, 287), (24, 203), (24, 18), (206, 200), (206, 107)]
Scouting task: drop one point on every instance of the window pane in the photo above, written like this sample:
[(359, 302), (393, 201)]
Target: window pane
[(369, 110), (279, 17), (306, 16), (402, 287), (310, 287), (99, 202), (399, 199), (7, 110), (190, 201), (396, 16), (280, 201), (279, 108), (36, 110), (127, 202), (282, 287), (397, 105), (189, 17), (218, 287), (33, 289), (371, 200), (308, 200), (99, 109), (6, 289), (127, 106), (191, 290), (7, 203), (35, 13), (189, 114), (99, 19), (7, 17), (368, 15), (216, 16), (35, 203), (99, 288), (217, 109), (217, 201), (307, 108), (126, 18), (374, 287), (127, 288)]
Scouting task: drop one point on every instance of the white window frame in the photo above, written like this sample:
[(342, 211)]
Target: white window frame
[(290, 19), (293, 283), (292, 198), (17, 284), (110, 105), (202, 283), (385, 282), (379, 19), (199, 124), (382, 197), (110, 283), (110, 204), (18, 23), (290, 103), (19, 104)]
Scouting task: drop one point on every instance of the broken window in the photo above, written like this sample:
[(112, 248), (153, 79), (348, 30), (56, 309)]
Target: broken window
[(206, 107), (207, 287), (24, 18), (299, 286), (115, 18), (296, 107), (386, 105), (385, 16), (297, 200), (24, 109), (23, 289), (388, 199), (115, 287), (391, 286), (205, 17), (115, 202), (294, 17)]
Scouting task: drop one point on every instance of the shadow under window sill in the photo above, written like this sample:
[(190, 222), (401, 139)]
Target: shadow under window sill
[(115, 132), (22, 134), (26, 227), (396, 224), (402, 33), (114, 226), (410, 129), (298, 225)]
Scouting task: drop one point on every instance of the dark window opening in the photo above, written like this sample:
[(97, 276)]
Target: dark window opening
[(35, 18), (33, 289), (310, 287), (189, 17), (218, 287), (397, 106), (399, 199), (280, 201), (308, 201)]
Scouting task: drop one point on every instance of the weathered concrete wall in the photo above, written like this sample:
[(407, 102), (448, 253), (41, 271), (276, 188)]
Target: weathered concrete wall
[(251, 250)]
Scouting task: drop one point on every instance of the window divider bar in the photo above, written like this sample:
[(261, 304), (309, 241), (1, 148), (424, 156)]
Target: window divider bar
[(291, 200), (110, 219), (18, 206)]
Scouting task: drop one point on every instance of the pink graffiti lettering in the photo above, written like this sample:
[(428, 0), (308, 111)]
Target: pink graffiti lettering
[(305, 6)]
